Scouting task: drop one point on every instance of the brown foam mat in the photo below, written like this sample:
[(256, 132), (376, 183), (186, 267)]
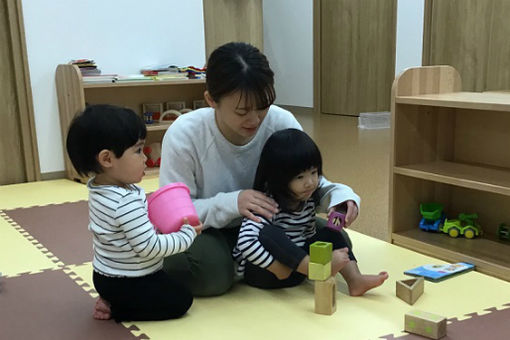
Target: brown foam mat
[(50, 305), (495, 325), (61, 228)]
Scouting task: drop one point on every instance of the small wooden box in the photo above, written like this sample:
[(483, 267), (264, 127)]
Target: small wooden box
[(317, 271), (320, 252), (325, 296), (410, 290), (430, 325)]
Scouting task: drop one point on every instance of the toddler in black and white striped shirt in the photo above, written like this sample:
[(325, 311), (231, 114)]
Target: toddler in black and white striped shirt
[(107, 142)]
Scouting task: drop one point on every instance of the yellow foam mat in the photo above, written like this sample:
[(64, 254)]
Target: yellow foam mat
[(52, 192), (19, 253), (249, 313)]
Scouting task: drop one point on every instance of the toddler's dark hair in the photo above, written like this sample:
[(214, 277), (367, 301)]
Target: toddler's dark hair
[(102, 127), (286, 154), (239, 66)]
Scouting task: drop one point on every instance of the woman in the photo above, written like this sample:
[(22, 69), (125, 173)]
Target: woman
[(215, 152)]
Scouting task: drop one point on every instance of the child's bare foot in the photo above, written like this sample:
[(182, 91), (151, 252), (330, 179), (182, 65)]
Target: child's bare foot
[(339, 258), (102, 310), (363, 283)]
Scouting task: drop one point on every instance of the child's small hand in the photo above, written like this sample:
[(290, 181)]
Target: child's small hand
[(198, 228)]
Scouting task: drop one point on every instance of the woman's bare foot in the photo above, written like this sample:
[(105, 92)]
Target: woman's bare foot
[(339, 258), (363, 283), (102, 310)]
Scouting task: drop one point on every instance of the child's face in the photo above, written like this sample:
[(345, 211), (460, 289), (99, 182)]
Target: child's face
[(304, 184), (238, 120), (130, 167)]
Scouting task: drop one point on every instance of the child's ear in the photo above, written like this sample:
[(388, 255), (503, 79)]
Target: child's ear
[(104, 158), (209, 100)]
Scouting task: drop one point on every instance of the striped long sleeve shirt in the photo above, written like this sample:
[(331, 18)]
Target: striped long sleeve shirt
[(125, 242), (298, 225)]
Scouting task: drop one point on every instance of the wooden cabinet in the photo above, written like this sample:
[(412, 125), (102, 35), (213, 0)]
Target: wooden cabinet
[(450, 147), (73, 95)]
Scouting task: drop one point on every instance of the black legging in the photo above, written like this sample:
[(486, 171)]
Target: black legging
[(145, 298), (274, 240)]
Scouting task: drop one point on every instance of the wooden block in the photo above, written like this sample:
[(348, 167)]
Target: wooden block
[(320, 252), (430, 325), (317, 271), (410, 290), (325, 296)]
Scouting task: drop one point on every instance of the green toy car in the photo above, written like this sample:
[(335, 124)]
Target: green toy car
[(504, 232), (465, 225)]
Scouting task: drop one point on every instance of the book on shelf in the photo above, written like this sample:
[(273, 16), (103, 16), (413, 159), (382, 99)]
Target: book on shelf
[(132, 77), (102, 78)]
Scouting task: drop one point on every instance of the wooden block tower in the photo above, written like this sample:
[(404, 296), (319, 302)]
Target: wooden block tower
[(319, 270)]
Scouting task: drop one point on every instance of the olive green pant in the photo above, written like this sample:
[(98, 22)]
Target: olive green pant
[(207, 267)]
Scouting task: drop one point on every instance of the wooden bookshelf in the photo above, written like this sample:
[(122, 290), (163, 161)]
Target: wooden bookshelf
[(74, 94), (450, 147)]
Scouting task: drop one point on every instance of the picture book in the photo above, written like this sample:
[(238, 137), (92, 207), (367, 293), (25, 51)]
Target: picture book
[(438, 272)]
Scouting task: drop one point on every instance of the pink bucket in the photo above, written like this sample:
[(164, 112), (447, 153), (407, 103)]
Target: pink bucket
[(169, 205)]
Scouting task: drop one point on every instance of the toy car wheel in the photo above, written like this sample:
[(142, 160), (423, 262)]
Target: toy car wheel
[(469, 233), (453, 232)]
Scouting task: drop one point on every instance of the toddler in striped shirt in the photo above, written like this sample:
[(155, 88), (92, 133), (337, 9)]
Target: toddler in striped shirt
[(273, 253), (107, 142)]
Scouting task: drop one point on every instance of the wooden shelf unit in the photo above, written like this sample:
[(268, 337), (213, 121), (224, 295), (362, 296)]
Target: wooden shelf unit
[(73, 95), (450, 147)]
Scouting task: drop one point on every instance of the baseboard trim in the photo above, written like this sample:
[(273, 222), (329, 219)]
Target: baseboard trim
[(48, 176), (300, 109)]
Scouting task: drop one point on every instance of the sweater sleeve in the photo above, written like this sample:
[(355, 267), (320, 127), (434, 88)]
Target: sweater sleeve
[(179, 162), (332, 194), (133, 219), (249, 245)]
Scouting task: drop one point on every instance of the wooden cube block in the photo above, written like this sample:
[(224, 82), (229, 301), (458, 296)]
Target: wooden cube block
[(317, 271), (410, 290), (320, 252), (430, 325), (325, 296)]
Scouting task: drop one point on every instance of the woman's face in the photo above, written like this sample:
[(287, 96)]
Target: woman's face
[(237, 118)]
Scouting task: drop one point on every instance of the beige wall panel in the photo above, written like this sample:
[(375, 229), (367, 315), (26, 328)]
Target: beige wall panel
[(232, 20), (498, 67), (13, 149), (476, 42), (460, 38), (357, 55)]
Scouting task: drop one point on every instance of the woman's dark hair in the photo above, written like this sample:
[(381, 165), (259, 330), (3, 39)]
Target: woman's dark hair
[(286, 154), (238, 66), (102, 127)]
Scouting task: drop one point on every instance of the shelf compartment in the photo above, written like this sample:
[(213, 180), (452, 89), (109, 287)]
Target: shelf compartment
[(152, 171), (468, 176), (157, 126), (493, 101), (490, 257), (143, 83)]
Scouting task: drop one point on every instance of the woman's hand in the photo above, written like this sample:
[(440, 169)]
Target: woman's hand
[(350, 215), (250, 202)]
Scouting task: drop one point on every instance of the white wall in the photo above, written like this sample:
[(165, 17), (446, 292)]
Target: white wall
[(120, 35), (409, 34), (288, 44)]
